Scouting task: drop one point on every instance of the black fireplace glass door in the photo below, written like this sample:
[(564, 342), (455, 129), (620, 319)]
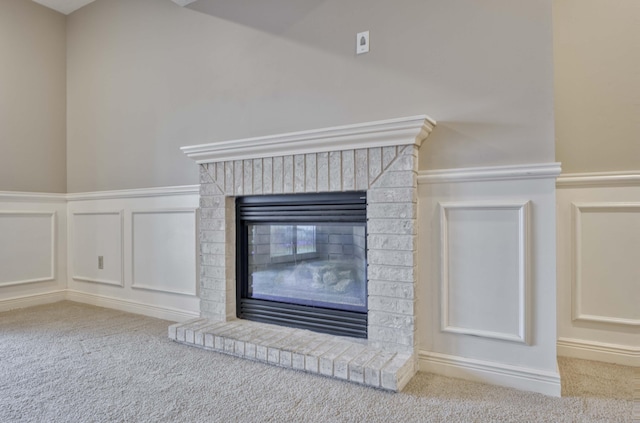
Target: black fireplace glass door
[(321, 265), (301, 261)]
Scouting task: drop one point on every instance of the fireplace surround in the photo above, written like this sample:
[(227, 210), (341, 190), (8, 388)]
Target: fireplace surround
[(379, 158)]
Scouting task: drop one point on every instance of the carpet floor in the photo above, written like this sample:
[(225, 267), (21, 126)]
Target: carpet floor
[(71, 362)]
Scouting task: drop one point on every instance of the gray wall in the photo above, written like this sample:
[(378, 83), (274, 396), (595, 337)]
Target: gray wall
[(597, 76), (32, 98), (146, 77)]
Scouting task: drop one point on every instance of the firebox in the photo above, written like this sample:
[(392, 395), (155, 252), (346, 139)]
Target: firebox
[(302, 262)]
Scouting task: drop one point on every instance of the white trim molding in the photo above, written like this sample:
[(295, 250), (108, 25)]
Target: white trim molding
[(599, 351), (135, 193), (72, 257), (39, 197), (522, 208), (577, 210), (490, 173), (527, 379), (385, 133), (180, 210), (32, 300), (599, 179), (166, 313), (52, 268)]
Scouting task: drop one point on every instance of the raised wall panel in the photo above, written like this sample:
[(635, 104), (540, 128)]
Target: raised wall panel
[(27, 247), (606, 270), (96, 234), (484, 266), (164, 251)]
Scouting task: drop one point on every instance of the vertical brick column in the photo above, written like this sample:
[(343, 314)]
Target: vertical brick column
[(391, 242), (217, 250)]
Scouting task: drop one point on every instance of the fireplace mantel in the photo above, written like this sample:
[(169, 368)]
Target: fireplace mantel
[(384, 133)]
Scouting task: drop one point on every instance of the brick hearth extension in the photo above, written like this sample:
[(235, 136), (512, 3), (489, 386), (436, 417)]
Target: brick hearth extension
[(311, 352), (379, 157)]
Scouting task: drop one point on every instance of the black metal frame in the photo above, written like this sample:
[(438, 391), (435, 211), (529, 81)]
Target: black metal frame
[(343, 207)]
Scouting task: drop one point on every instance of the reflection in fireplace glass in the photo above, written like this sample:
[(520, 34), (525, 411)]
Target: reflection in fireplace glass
[(320, 265)]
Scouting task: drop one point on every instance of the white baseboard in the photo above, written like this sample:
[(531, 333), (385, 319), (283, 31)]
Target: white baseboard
[(525, 379), (32, 300), (599, 351), (164, 313)]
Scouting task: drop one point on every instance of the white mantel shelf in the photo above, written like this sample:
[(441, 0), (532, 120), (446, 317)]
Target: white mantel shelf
[(383, 133)]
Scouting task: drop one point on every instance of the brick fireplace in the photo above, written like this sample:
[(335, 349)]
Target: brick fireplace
[(380, 158)]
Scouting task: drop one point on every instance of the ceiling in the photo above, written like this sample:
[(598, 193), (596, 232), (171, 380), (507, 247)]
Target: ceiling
[(69, 6)]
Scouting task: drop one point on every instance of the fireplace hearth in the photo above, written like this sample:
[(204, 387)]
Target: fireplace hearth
[(301, 261)]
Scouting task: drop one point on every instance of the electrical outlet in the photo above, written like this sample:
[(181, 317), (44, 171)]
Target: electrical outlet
[(362, 42), (100, 262)]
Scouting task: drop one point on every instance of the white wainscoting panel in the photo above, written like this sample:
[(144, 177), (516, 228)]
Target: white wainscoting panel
[(28, 247), (164, 250), (33, 253), (599, 266), (97, 234), (486, 293), (154, 232), (485, 261), (606, 286)]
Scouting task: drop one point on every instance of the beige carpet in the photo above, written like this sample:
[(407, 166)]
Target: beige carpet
[(70, 362)]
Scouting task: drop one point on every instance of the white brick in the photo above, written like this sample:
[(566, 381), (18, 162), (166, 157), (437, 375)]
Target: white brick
[(212, 201), (392, 258), (392, 195), (322, 165), (312, 358), (391, 242), (348, 170), (299, 173), (390, 320), (328, 358), (388, 156), (341, 363), (374, 367), (267, 175), (257, 176), (400, 179), (228, 178), (390, 273), (278, 175), (335, 171), (250, 350), (404, 290), (248, 177), (375, 163), (273, 355), (392, 226), (287, 174), (391, 305), (391, 373), (404, 161), (208, 340), (361, 169), (357, 365), (285, 358), (311, 172), (238, 175)]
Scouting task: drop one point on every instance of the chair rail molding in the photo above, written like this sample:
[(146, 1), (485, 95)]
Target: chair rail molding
[(599, 179), (490, 173)]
